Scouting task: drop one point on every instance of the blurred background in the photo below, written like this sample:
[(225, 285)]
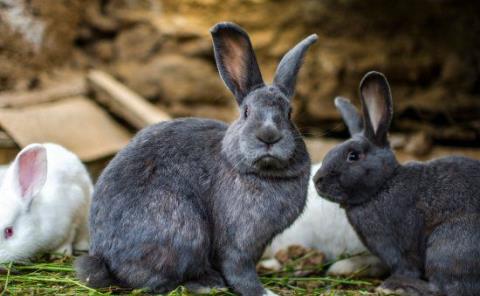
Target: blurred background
[(67, 67)]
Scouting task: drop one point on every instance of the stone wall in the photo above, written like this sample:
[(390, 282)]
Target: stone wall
[(429, 50)]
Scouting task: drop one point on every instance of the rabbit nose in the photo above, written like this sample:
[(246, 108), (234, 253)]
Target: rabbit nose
[(268, 135)]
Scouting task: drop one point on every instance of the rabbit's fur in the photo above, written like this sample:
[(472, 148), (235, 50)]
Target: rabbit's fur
[(194, 201), (45, 196), (324, 226), (421, 219)]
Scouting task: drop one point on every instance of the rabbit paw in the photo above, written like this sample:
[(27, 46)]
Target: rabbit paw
[(211, 281), (64, 250), (384, 291), (270, 264), (363, 265), (344, 267), (197, 288), (400, 285), (82, 246)]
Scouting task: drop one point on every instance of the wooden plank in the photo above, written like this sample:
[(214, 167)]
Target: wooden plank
[(76, 123), (124, 102), (70, 88)]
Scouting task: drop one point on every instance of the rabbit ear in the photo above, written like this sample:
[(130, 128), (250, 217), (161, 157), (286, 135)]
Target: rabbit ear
[(287, 70), (350, 115), (236, 61), (30, 171), (377, 107)]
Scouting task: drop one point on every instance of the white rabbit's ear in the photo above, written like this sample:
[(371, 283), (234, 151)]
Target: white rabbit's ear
[(30, 171)]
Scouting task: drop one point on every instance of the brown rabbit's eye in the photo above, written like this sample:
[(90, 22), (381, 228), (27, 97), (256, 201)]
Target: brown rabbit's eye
[(245, 112), (8, 232), (353, 156)]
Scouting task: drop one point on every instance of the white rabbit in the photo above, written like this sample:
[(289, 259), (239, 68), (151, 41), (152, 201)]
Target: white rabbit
[(3, 170), (45, 195), (324, 226)]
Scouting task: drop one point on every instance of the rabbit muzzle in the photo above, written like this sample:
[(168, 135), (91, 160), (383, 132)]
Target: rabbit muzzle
[(269, 162), (327, 186)]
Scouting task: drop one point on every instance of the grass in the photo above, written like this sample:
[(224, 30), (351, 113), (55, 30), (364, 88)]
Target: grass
[(57, 277)]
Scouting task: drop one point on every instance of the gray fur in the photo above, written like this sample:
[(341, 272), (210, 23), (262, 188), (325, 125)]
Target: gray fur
[(350, 115), (421, 219), (194, 201), (286, 73)]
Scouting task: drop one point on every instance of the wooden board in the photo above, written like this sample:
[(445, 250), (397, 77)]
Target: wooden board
[(125, 102), (76, 123)]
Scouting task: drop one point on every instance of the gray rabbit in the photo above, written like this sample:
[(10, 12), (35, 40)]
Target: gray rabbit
[(194, 201), (421, 219)]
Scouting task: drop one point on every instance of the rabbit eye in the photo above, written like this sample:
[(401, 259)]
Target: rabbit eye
[(245, 112), (290, 113), (353, 156), (8, 232)]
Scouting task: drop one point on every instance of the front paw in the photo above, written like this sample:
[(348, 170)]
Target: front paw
[(400, 285), (386, 291), (269, 265), (269, 293)]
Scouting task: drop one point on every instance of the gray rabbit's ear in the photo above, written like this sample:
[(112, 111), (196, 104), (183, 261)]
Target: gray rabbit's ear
[(377, 107), (350, 115), (287, 70), (236, 61)]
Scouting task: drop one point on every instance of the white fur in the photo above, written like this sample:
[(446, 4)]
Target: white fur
[(3, 170), (56, 217), (324, 226), (269, 293)]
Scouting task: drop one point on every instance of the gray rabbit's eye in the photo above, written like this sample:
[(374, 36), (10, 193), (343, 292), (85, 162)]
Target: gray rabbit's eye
[(353, 156), (290, 113)]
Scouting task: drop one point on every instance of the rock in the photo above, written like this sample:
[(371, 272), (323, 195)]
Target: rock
[(457, 74), (262, 39), (397, 141), (179, 27), (199, 48), (137, 43), (98, 20), (226, 113), (103, 49), (174, 78), (419, 144), (285, 40)]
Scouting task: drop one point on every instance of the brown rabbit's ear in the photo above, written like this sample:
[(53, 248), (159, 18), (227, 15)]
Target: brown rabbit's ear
[(350, 115), (377, 107), (236, 61)]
